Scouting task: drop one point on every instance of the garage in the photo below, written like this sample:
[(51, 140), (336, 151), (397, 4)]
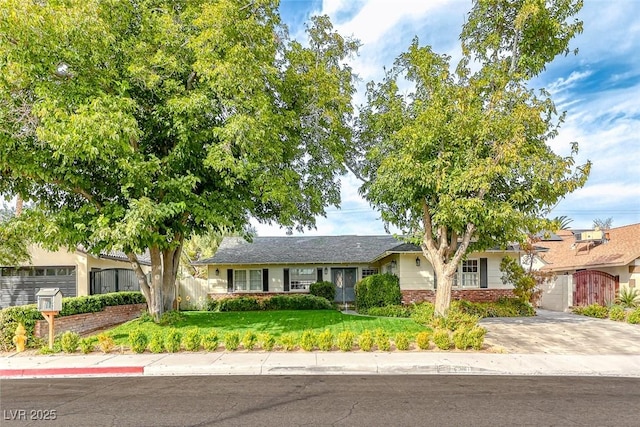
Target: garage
[(19, 285)]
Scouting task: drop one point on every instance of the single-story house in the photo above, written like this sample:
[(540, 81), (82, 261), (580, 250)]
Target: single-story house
[(291, 264), (75, 273), (590, 265)]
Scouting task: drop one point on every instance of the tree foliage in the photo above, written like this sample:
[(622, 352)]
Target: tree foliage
[(461, 163), (14, 238), (134, 124)]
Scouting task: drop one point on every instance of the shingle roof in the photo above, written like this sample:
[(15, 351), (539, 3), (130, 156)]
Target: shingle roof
[(300, 250), (144, 259), (622, 248)]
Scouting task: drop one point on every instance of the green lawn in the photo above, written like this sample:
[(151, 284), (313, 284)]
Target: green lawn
[(274, 322)]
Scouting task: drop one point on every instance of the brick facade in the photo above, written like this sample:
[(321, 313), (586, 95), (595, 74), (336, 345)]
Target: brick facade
[(473, 295), (88, 322)]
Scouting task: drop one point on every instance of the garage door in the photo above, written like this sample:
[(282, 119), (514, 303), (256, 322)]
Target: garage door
[(18, 286)]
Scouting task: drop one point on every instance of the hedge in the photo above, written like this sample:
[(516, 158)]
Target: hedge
[(323, 289), (275, 302), (378, 290)]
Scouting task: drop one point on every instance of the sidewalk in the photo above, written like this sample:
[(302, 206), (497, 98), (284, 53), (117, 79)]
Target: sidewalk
[(319, 363)]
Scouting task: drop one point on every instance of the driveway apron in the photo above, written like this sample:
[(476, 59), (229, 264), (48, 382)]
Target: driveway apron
[(562, 333)]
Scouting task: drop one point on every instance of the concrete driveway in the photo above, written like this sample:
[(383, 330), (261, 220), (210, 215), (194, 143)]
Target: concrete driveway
[(562, 333)]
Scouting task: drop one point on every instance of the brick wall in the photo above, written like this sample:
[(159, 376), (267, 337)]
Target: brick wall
[(474, 295), (88, 322)]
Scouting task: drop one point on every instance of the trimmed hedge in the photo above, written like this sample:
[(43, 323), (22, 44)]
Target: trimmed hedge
[(503, 307), (275, 302), (378, 290), (29, 314), (323, 289)]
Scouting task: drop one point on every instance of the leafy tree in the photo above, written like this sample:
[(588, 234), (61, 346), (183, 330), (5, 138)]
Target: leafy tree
[(135, 124), (603, 224), (14, 241), (461, 163)]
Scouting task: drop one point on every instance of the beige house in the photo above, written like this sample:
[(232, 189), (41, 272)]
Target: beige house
[(292, 264), (75, 273), (590, 265)]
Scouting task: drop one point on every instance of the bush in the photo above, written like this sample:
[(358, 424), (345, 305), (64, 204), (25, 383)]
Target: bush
[(69, 342), (171, 318), (249, 340), (441, 339), (231, 341), (325, 340), (378, 290), (297, 302), (138, 341), (422, 340), (172, 340), (389, 311), (617, 313), (106, 343), (323, 289), (210, 340), (455, 319), (267, 341), (288, 341), (345, 340), (308, 340), (634, 317), (192, 339), (628, 297), (382, 340), (239, 304), (87, 345), (365, 340), (465, 338), (156, 344), (402, 341), (423, 313), (476, 337), (593, 310)]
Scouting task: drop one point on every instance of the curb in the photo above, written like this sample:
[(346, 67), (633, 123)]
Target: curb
[(88, 371)]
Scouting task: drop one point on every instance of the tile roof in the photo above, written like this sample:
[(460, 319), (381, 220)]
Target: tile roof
[(144, 259), (621, 249)]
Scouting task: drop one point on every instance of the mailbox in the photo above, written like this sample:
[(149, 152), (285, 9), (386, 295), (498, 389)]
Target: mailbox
[(49, 299)]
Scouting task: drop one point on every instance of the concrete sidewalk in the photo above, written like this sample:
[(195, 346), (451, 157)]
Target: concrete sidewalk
[(319, 363)]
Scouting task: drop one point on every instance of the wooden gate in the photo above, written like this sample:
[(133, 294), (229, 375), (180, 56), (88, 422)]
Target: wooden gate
[(591, 286)]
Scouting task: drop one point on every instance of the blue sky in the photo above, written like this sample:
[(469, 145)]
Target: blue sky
[(599, 89)]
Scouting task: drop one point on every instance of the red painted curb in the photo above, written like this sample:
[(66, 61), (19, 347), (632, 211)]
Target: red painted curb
[(72, 371)]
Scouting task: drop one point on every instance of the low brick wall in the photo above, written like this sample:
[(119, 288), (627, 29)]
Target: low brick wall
[(473, 295), (88, 322)]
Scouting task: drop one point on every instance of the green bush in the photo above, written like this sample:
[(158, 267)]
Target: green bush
[(455, 319), (402, 341), (476, 337), (267, 341), (389, 311), (172, 340), (628, 297), (156, 344), (288, 341), (210, 340), (249, 340), (617, 313), (365, 340), (308, 340), (231, 341), (324, 290), (87, 345), (138, 341), (69, 342), (297, 302), (325, 340), (422, 340), (382, 340), (593, 310), (378, 290), (634, 317), (345, 340), (171, 318), (106, 343), (423, 313), (192, 339), (239, 304), (441, 339)]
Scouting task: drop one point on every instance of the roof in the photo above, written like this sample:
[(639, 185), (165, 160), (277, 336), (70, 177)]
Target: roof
[(622, 247), (144, 259)]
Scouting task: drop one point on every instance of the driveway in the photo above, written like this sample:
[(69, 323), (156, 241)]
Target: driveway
[(562, 333)]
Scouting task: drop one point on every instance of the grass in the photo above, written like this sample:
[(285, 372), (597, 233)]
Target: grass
[(274, 322)]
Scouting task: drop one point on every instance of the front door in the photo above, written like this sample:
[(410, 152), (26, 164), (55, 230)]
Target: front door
[(344, 280)]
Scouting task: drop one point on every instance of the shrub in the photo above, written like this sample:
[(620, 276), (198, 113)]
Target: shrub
[(464, 339), (324, 290), (345, 340), (617, 313), (87, 345), (634, 317), (288, 341), (593, 310), (171, 318), (69, 342), (378, 290), (476, 337), (365, 340), (210, 340), (308, 340), (325, 340), (389, 311), (192, 339), (455, 319), (156, 344), (628, 297), (423, 313), (402, 341), (249, 340), (105, 343), (382, 340), (239, 304), (422, 340), (441, 339), (138, 341), (231, 341), (172, 340), (297, 302), (28, 315), (267, 341)]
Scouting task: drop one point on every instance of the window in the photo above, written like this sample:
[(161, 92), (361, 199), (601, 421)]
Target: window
[(247, 280), (369, 272), (470, 277), (301, 278)]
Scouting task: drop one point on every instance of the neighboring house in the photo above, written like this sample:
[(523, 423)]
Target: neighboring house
[(75, 273), (590, 265), (291, 264)]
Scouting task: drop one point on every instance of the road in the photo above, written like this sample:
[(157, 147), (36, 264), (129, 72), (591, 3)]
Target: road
[(321, 400)]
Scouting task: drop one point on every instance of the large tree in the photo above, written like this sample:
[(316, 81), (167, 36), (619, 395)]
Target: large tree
[(460, 162), (135, 123)]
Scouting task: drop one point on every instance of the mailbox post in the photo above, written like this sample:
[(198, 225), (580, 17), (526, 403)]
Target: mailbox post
[(49, 304)]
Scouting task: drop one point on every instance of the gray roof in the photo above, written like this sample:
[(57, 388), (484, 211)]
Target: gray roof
[(305, 249), (144, 259)]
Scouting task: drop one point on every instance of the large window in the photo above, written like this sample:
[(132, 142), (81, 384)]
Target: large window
[(469, 276), (247, 280), (301, 278)]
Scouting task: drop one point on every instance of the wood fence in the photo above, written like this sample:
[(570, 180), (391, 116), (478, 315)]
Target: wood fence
[(193, 293)]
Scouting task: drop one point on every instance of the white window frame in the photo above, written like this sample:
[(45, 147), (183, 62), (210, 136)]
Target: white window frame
[(470, 273), (301, 278), (252, 281), (369, 271)]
